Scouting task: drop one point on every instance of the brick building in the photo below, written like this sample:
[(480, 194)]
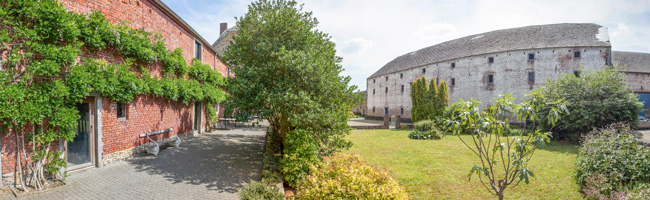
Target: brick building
[(637, 69), (484, 65), (112, 130)]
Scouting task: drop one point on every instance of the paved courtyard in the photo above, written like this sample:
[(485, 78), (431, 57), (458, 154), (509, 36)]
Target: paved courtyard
[(211, 166)]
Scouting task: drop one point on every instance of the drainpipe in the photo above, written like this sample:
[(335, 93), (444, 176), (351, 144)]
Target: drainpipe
[(98, 131), (2, 184)]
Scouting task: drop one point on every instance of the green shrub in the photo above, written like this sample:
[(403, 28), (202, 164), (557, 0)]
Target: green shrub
[(611, 160), (425, 125), (594, 100), (346, 177), (425, 135), (259, 190)]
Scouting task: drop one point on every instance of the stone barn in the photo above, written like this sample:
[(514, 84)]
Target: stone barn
[(482, 66), (637, 68)]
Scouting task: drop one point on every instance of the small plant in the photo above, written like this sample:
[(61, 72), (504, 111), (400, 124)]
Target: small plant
[(425, 135), (260, 190), (504, 154), (347, 177)]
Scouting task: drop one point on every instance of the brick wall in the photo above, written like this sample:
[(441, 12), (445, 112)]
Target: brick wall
[(145, 113)]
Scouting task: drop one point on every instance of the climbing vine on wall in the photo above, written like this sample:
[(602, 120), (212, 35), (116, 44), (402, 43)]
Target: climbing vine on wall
[(44, 73)]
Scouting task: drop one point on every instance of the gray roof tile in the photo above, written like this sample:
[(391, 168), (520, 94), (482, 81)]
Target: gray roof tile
[(632, 61), (529, 37)]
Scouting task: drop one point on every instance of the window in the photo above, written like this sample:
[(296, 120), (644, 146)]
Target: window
[(453, 65), (197, 50), (490, 78), (490, 60), (401, 75), (373, 109), (424, 70), (402, 88), (373, 91), (386, 78), (576, 54), (373, 80), (576, 73), (401, 111), (531, 56), (531, 77), (453, 82), (121, 110), (386, 90)]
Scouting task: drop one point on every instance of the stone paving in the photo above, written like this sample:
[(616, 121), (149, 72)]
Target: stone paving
[(211, 166)]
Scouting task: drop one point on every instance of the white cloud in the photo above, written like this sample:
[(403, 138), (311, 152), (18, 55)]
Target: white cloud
[(355, 46)]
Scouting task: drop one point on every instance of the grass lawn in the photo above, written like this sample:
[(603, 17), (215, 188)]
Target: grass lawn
[(437, 169)]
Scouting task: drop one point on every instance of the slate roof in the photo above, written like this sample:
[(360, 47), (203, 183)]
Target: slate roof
[(529, 37), (632, 61)]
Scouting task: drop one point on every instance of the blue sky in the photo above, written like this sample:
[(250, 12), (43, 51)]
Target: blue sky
[(370, 33)]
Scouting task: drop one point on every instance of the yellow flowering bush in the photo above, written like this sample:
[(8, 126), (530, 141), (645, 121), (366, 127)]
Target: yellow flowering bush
[(347, 177)]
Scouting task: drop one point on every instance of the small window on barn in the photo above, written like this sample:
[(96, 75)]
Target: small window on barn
[(374, 80), (531, 56), (386, 78), (576, 73), (373, 91), (402, 88), (531, 77), (401, 75), (490, 60), (401, 111), (198, 50), (121, 110), (576, 54), (386, 90), (453, 65), (490, 78), (453, 81), (373, 109), (424, 70)]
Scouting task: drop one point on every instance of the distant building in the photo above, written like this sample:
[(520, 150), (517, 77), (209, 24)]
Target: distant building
[(225, 38), (482, 66), (361, 108), (637, 68)]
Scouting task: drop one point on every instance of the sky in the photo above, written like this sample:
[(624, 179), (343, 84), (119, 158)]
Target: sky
[(370, 33)]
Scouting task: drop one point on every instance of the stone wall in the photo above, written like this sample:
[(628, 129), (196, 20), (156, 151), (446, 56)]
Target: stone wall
[(509, 70)]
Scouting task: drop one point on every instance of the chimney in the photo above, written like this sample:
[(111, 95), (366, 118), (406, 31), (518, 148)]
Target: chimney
[(223, 28)]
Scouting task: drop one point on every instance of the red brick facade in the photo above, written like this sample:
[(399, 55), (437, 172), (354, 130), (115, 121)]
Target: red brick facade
[(144, 113)]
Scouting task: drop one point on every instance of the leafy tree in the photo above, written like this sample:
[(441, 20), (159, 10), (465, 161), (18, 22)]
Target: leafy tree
[(288, 72), (428, 103), (443, 98), (595, 99), (504, 154)]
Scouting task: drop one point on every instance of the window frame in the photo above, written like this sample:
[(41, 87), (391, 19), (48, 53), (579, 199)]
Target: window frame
[(453, 81), (531, 76), (198, 50), (121, 111), (490, 60), (453, 65), (531, 55), (577, 54), (490, 79)]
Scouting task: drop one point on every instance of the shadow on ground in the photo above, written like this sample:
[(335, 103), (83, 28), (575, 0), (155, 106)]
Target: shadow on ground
[(221, 162)]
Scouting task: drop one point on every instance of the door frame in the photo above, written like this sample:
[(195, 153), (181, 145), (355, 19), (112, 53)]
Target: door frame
[(197, 122), (92, 115)]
